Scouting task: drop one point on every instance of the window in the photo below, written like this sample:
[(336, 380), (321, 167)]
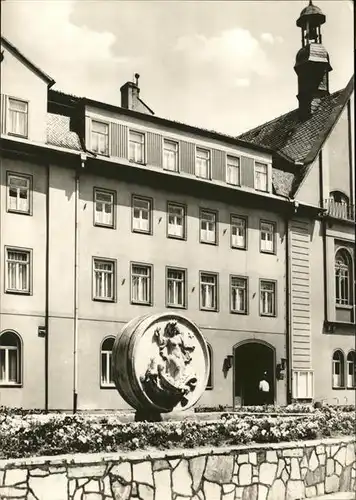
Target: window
[(18, 270), (351, 369), (208, 291), (141, 215), (267, 238), (176, 286), (238, 232), (104, 202), (104, 279), (261, 172), (136, 147), (106, 359), (207, 226), (267, 298), (233, 170), (238, 295), (19, 192), (170, 155), (338, 369), (176, 221), (210, 383), (18, 114), (10, 359), (202, 163), (141, 291), (343, 281), (100, 137)]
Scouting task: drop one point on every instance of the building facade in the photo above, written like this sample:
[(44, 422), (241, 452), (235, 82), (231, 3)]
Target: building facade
[(315, 145), (108, 213)]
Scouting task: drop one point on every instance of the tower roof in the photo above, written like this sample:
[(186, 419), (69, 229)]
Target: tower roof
[(311, 13)]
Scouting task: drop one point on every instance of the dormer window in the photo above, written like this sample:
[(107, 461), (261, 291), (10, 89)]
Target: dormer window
[(261, 176), (136, 147), (100, 137), (18, 117), (202, 163)]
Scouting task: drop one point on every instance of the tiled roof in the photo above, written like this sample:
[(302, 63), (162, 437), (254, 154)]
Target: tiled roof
[(292, 136), (59, 134)]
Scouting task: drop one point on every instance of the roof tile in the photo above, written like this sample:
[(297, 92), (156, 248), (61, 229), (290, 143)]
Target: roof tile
[(59, 134)]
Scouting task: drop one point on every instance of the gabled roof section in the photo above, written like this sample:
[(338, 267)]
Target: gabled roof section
[(11, 48), (296, 139)]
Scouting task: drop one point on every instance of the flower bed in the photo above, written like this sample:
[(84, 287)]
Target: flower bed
[(32, 434)]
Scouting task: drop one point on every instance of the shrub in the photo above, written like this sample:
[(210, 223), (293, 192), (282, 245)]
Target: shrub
[(37, 434)]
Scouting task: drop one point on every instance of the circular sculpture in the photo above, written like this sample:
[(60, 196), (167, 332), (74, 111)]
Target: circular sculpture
[(160, 363)]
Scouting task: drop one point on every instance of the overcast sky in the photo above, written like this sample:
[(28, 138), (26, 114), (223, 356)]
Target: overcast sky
[(226, 66)]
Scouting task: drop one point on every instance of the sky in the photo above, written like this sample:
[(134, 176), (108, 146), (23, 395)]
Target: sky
[(225, 66)]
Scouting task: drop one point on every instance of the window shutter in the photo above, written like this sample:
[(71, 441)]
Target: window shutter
[(88, 132), (187, 160), (3, 107), (154, 149), (247, 172)]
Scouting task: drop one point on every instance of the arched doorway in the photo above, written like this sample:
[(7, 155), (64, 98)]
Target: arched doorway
[(251, 360)]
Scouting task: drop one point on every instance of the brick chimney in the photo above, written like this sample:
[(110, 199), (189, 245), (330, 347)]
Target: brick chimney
[(130, 97)]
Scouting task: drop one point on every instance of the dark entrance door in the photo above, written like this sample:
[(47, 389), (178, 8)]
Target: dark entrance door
[(251, 361)]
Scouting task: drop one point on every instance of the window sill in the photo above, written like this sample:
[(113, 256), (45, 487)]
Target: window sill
[(97, 153), (10, 385), (138, 162), (140, 231), (101, 299), (213, 243), (105, 226), (19, 212), (18, 292), (268, 315), (238, 248), (348, 307), (209, 388), (240, 313), (173, 306), (136, 303), (13, 134), (209, 310), (173, 237), (339, 388), (107, 386), (331, 326), (269, 252)]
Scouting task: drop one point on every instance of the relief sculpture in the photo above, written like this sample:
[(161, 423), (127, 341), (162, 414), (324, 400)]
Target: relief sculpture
[(170, 376)]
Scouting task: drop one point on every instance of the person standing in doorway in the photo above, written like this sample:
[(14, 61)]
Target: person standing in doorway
[(263, 389)]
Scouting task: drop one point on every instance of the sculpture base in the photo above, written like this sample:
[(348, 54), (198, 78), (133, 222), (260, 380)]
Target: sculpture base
[(147, 416)]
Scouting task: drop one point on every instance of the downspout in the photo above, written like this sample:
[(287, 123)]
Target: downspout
[(76, 258), (76, 283), (323, 228), (47, 292), (288, 316)]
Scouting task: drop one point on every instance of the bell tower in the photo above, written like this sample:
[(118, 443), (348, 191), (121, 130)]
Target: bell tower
[(312, 61)]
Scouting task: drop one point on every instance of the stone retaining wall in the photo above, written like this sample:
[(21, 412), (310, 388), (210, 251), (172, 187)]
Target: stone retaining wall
[(284, 471)]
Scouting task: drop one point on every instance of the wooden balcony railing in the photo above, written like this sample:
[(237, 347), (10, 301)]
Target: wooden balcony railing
[(340, 210)]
